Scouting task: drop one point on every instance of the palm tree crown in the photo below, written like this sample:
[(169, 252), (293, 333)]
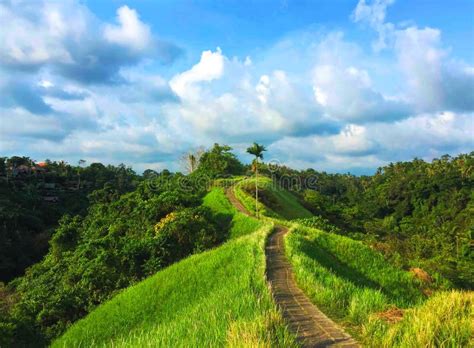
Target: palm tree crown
[(256, 150)]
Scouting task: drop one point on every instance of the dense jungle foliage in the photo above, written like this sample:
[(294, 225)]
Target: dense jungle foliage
[(27, 217)]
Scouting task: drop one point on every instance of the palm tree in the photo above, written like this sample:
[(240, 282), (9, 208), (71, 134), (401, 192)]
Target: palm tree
[(257, 151)]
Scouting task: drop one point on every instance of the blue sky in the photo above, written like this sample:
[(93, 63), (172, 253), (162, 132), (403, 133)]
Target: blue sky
[(334, 85)]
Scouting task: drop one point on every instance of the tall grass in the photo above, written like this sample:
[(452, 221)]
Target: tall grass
[(215, 298), (355, 285), (281, 203), (229, 218), (359, 263), (445, 320)]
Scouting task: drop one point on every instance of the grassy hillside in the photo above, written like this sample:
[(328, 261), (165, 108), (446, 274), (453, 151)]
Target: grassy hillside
[(356, 286), (274, 201), (228, 217), (215, 298), (220, 297), (381, 304), (445, 320)]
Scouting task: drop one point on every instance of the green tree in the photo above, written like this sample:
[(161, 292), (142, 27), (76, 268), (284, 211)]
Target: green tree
[(256, 150), (219, 160)]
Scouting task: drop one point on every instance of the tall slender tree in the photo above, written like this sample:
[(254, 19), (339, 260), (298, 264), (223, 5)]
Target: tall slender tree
[(256, 150)]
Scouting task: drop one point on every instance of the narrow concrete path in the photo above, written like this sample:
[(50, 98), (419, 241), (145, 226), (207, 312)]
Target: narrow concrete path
[(311, 326), (229, 192)]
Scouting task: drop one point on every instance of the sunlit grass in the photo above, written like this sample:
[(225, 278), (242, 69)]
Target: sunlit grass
[(284, 204), (229, 218), (445, 320), (216, 298), (354, 284)]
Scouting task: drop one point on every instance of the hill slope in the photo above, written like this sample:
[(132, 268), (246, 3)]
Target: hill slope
[(381, 304), (220, 297), (215, 298), (273, 201), (229, 218)]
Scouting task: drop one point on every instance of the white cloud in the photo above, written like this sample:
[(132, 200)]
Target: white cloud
[(45, 83), (32, 42), (210, 67), (315, 98), (435, 81), (353, 139), (65, 38), (346, 94), (227, 99), (374, 15), (321, 97), (21, 124), (263, 89), (130, 32), (424, 136)]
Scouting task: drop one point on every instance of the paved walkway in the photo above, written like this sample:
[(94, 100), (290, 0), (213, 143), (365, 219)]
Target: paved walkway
[(229, 192), (311, 326)]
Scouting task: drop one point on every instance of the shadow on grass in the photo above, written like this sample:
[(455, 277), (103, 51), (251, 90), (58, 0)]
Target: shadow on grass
[(224, 222), (398, 289), (330, 262)]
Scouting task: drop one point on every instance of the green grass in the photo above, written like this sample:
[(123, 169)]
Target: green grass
[(275, 202), (345, 278), (229, 218), (215, 298), (353, 284), (220, 297), (445, 320)]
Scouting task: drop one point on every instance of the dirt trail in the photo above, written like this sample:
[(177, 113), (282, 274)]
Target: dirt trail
[(229, 192), (311, 326)]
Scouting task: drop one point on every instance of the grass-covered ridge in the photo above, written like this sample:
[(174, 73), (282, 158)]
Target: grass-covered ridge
[(215, 298), (381, 304), (229, 218), (273, 201), (356, 286)]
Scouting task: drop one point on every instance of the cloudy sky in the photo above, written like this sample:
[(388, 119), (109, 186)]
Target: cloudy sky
[(333, 85)]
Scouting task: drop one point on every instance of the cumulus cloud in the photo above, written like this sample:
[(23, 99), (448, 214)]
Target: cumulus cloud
[(374, 14), (210, 67), (83, 88), (347, 94), (225, 99), (361, 148), (34, 36), (130, 32), (67, 38), (435, 81), (425, 135), (334, 76)]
